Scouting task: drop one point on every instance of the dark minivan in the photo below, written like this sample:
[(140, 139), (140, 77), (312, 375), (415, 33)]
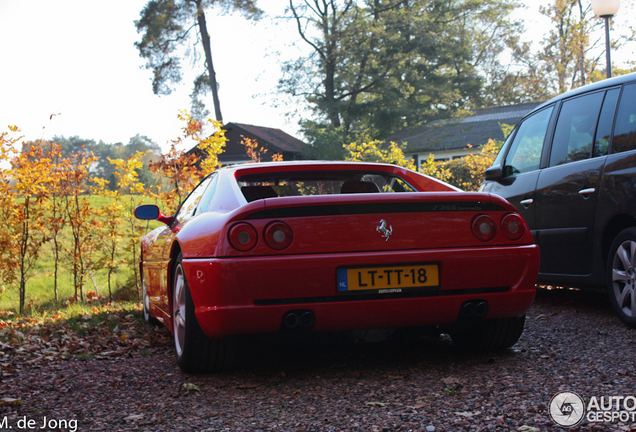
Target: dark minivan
[(569, 166)]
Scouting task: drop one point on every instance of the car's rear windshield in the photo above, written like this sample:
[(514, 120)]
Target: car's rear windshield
[(270, 185)]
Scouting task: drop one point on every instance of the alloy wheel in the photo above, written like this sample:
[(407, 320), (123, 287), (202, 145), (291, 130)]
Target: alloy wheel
[(624, 278), (179, 310), (146, 302)]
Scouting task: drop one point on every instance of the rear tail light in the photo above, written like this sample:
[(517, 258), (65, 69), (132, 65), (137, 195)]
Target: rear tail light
[(513, 226), (484, 228), (243, 237), (278, 235)]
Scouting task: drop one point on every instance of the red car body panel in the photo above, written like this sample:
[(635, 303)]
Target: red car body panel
[(238, 292), (257, 292)]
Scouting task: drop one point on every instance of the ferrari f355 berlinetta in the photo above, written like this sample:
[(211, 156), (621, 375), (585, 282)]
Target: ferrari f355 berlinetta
[(325, 246)]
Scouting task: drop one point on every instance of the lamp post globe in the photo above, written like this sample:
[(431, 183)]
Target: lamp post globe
[(602, 8)]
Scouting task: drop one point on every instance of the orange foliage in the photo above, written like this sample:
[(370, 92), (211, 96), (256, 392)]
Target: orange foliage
[(24, 192), (184, 170)]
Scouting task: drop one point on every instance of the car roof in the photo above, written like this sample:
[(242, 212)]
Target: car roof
[(610, 82)]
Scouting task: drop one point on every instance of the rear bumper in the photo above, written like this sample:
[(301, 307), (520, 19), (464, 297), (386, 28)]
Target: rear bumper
[(251, 295)]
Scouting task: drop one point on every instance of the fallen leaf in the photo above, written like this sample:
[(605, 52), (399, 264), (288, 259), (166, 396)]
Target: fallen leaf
[(11, 402), (375, 404), (190, 387), (468, 413), (452, 383), (134, 417), (526, 428)]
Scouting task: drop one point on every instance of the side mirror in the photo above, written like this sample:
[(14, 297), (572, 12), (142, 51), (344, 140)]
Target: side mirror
[(147, 212), (493, 173), (151, 212)]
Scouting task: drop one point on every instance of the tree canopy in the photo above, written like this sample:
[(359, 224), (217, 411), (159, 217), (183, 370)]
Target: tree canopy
[(103, 152), (377, 66)]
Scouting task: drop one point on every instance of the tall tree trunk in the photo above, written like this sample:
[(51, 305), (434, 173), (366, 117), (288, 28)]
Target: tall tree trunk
[(24, 245), (205, 38)]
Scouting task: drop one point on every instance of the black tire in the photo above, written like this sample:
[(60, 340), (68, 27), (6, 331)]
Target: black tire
[(489, 335), (621, 276), (195, 351)]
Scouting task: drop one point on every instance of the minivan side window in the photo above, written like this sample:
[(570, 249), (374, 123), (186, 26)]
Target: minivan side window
[(625, 130), (604, 129), (574, 132), (525, 150)]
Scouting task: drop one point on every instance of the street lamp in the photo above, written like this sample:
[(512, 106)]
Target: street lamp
[(606, 9)]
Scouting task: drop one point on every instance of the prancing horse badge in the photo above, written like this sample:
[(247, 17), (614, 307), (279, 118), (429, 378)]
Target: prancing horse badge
[(384, 229)]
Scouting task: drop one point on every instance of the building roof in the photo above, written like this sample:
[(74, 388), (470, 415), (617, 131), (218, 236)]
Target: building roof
[(458, 133), (276, 137)]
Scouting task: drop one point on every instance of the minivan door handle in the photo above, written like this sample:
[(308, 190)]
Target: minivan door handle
[(587, 192), (527, 202)]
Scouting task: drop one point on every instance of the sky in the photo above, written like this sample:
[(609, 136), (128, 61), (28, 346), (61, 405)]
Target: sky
[(70, 68), (76, 60)]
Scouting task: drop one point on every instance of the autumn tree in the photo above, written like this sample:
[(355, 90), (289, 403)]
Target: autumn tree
[(564, 54), (108, 242), (8, 263), (256, 152), (569, 56), (55, 211), (81, 217), (103, 151), (121, 205), (24, 192), (375, 152), (467, 173), (184, 169), (167, 26)]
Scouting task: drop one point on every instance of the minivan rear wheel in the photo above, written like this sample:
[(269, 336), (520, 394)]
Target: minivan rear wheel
[(621, 277)]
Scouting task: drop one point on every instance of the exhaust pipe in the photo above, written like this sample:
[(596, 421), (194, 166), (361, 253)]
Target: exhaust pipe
[(291, 320), (482, 309), (473, 309), (302, 319), (307, 319)]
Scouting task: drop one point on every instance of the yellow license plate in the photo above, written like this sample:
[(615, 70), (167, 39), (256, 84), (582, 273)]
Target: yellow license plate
[(390, 279)]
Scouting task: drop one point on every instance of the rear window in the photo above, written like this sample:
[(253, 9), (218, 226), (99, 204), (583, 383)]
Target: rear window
[(273, 185)]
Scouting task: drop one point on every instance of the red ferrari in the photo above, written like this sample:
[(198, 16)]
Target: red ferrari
[(322, 246)]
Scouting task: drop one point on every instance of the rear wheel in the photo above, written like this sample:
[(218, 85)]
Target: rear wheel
[(621, 278), (195, 352), (489, 335)]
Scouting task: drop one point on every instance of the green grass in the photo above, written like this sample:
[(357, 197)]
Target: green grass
[(40, 286)]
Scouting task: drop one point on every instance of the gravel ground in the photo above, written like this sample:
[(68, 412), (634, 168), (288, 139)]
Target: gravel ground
[(572, 342)]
